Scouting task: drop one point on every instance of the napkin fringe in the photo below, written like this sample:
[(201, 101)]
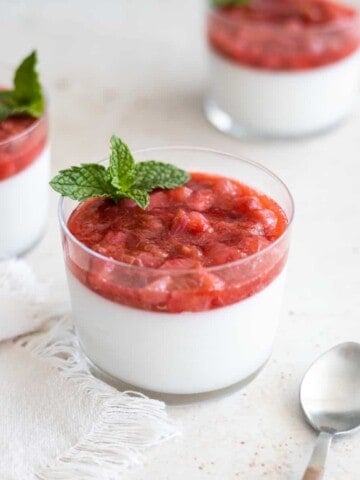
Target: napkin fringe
[(18, 280), (129, 422)]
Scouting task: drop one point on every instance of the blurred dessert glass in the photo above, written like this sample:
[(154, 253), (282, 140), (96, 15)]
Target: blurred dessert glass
[(281, 68)]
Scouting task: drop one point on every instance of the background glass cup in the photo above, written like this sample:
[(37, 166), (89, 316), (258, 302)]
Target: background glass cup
[(274, 101), (24, 176), (185, 353)]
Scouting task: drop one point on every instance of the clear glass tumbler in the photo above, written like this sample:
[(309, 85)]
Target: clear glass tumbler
[(121, 315), (24, 176), (277, 73)]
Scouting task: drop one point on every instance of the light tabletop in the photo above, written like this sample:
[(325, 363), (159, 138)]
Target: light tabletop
[(138, 69)]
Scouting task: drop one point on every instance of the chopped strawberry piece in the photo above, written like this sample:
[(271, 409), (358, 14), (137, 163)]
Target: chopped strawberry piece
[(157, 293), (192, 222), (179, 222), (115, 237), (209, 281), (181, 264), (227, 188), (100, 274), (198, 223), (149, 260), (201, 200), (190, 251), (251, 245), (220, 253), (267, 218), (180, 194), (158, 200), (195, 302), (247, 203)]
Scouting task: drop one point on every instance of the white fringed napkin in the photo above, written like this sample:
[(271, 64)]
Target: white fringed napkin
[(57, 421)]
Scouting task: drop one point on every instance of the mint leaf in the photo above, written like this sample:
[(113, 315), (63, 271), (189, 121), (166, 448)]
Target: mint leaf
[(141, 197), (6, 96), (87, 181), (152, 174), (122, 165), (4, 112), (229, 3), (123, 179), (27, 96), (28, 91)]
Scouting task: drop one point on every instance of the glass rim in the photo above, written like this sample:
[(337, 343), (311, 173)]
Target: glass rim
[(339, 25), (172, 271), (25, 132)]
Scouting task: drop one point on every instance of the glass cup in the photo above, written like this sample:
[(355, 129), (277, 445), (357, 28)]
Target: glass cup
[(121, 311), (273, 79), (24, 176)]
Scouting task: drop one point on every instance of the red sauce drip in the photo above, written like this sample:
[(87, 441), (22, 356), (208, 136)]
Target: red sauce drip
[(285, 34), (209, 222)]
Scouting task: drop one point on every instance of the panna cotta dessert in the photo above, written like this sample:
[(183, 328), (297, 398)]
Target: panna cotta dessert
[(24, 162), (181, 294), (281, 68)]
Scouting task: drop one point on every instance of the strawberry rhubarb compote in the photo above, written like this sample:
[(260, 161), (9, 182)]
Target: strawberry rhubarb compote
[(24, 165), (282, 67), (182, 297)]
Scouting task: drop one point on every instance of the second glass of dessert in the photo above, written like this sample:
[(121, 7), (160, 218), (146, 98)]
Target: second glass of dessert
[(181, 297), (281, 68), (24, 161)]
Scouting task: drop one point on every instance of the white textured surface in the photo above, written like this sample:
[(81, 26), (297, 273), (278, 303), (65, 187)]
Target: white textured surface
[(20, 299), (137, 69)]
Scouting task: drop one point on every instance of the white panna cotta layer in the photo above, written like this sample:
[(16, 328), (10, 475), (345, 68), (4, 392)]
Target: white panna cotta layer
[(24, 206), (277, 103), (185, 353)]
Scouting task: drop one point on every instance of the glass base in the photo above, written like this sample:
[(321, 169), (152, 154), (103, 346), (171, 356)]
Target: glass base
[(225, 123), (169, 398)]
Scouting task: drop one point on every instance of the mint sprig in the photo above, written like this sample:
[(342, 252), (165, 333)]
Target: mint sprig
[(26, 97), (122, 179), (229, 3)]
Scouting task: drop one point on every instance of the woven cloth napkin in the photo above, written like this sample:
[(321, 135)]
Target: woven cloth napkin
[(57, 421)]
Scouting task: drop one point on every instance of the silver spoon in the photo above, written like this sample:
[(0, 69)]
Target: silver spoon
[(330, 399)]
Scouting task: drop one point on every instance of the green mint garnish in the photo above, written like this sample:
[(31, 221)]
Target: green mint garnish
[(229, 3), (122, 165), (27, 97), (151, 174), (88, 180), (122, 179)]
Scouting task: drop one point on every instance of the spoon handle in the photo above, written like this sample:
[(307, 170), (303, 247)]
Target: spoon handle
[(316, 467)]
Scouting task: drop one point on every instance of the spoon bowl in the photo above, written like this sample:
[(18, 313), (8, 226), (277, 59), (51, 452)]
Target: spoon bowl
[(330, 399), (330, 390)]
